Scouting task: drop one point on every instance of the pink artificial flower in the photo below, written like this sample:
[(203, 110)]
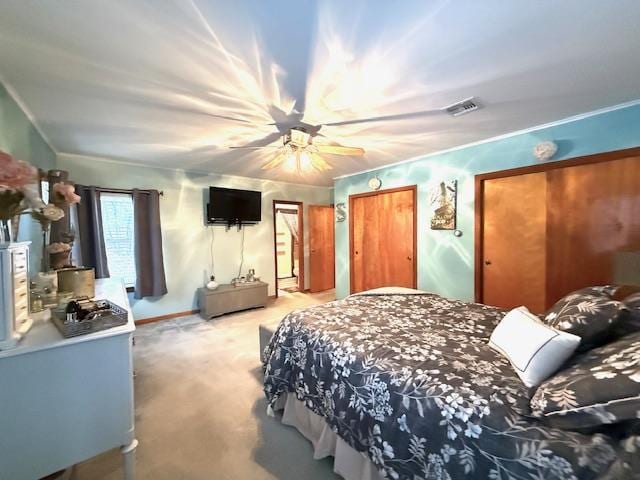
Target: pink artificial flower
[(15, 174), (67, 192), (58, 247)]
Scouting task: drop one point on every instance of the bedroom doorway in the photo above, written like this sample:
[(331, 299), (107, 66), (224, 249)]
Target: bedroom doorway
[(288, 234)]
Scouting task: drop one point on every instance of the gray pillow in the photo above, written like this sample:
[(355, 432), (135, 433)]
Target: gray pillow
[(630, 318), (599, 290), (589, 314), (600, 387)]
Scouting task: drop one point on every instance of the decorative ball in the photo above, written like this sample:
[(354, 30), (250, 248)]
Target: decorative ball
[(545, 150)]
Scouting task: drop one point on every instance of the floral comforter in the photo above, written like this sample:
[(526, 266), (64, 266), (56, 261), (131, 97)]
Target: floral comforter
[(411, 381)]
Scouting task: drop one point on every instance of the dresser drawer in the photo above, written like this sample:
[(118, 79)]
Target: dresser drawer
[(22, 314), (19, 262), (21, 297), (20, 280)]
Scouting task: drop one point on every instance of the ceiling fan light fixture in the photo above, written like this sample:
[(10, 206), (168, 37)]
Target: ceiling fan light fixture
[(300, 160), (297, 137), (298, 154)]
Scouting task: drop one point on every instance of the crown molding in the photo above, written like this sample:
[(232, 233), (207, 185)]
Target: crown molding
[(196, 172)]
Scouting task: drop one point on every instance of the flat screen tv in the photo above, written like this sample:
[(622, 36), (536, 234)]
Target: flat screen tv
[(227, 205)]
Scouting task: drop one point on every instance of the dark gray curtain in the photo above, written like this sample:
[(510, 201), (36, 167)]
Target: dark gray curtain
[(150, 279), (94, 253)]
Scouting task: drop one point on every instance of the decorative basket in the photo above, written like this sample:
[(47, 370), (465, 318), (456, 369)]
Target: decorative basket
[(116, 318)]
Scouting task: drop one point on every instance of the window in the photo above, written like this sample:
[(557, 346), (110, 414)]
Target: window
[(117, 225)]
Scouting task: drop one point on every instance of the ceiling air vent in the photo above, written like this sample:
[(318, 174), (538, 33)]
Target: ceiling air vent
[(467, 105)]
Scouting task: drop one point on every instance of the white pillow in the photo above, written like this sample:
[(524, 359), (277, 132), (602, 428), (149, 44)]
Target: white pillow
[(391, 291), (535, 350)]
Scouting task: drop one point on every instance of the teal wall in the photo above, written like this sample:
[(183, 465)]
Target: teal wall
[(19, 137), (445, 262), (187, 242)]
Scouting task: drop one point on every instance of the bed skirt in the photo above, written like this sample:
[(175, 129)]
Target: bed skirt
[(348, 462)]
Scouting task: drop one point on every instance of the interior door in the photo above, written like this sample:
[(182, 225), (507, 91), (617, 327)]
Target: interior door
[(514, 242), (383, 239), (321, 248)]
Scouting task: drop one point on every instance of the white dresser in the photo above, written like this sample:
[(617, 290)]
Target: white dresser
[(63, 401), (14, 293)]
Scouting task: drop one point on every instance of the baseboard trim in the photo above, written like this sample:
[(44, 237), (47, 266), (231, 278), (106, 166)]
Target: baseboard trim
[(169, 316)]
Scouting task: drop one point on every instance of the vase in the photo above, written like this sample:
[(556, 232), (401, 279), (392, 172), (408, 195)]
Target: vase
[(44, 262), (5, 231), (15, 227)]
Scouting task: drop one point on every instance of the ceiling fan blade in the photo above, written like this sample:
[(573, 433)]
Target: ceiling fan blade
[(262, 142), (338, 150), (275, 162), (255, 148), (298, 164), (319, 163), (385, 118)]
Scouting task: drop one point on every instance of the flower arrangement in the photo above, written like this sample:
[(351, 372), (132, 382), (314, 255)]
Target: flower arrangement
[(19, 194), (64, 193), (16, 192), (58, 247), (58, 254)]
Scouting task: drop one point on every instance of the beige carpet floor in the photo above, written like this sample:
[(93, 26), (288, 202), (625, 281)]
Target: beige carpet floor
[(200, 409)]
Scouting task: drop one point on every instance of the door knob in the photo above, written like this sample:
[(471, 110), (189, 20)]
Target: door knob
[(356, 252), (487, 262), (409, 258)]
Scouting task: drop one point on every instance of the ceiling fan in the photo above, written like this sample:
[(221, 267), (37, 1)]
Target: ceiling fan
[(298, 152)]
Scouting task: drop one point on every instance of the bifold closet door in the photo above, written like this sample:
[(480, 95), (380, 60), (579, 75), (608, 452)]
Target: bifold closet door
[(549, 233), (383, 239), (321, 248), (514, 242), (593, 212)]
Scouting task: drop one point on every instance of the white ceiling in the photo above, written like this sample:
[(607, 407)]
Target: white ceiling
[(175, 83)]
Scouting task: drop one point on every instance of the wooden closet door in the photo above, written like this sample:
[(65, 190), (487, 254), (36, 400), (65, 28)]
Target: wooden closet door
[(514, 242), (321, 248), (383, 239), (593, 212)]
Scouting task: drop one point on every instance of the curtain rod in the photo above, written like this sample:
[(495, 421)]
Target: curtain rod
[(124, 190)]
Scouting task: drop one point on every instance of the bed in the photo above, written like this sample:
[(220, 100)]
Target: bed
[(402, 385)]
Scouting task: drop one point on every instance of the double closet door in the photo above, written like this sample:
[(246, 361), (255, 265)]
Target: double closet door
[(382, 233), (547, 233)]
